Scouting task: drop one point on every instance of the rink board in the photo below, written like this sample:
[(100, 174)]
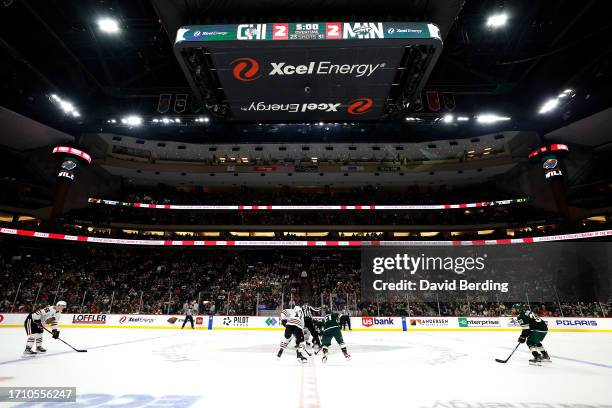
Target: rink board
[(406, 324)]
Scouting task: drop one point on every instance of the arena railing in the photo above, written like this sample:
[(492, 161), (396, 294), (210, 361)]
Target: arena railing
[(444, 206), (296, 243)]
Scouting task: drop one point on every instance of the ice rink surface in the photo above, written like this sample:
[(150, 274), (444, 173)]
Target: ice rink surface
[(166, 368)]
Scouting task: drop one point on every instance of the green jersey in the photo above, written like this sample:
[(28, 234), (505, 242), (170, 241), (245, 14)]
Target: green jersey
[(530, 321), (331, 321)]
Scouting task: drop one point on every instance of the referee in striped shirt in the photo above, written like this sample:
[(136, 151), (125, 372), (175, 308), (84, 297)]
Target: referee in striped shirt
[(309, 324)]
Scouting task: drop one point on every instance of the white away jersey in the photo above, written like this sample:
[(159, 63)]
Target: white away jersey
[(47, 313), (294, 317)]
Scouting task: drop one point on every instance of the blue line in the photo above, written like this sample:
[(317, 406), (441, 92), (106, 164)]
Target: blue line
[(574, 360), (38, 356)]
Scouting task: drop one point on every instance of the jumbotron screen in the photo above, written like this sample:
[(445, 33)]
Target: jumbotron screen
[(308, 71)]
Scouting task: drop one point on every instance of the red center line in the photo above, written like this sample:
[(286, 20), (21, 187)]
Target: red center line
[(309, 392)]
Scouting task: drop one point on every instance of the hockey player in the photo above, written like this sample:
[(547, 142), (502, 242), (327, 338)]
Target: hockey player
[(331, 328), (534, 331), (34, 324), (293, 321)]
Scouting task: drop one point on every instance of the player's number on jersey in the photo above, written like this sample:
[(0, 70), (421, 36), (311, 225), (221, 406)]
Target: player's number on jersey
[(534, 317)]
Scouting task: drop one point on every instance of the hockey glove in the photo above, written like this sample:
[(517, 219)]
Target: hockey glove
[(55, 333), (522, 339)]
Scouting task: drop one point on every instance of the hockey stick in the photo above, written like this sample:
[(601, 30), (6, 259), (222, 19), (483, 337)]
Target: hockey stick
[(506, 360), (77, 350)]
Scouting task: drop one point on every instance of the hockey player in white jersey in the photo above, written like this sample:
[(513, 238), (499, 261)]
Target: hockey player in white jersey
[(34, 324), (293, 321)]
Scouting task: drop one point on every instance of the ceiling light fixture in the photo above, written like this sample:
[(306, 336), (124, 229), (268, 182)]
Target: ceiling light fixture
[(497, 20), (489, 118), (132, 120), (108, 25), (549, 106), (448, 118)]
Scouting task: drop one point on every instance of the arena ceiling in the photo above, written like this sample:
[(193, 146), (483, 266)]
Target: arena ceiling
[(54, 47)]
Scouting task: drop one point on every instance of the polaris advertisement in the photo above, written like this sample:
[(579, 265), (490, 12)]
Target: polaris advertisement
[(552, 272)]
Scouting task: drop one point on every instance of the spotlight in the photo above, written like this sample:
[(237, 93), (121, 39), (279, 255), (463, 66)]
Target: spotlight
[(489, 118), (462, 119), (549, 105), (132, 120), (67, 107), (448, 118), (108, 25), (497, 20)]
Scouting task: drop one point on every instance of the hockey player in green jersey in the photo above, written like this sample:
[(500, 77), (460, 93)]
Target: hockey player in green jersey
[(331, 328), (534, 331)]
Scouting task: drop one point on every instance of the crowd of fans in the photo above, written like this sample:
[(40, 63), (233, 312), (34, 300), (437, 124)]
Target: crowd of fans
[(236, 282), (321, 196)]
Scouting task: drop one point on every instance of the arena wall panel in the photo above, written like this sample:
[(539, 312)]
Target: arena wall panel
[(393, 323)]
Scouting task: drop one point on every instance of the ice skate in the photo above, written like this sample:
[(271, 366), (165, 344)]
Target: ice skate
[(29, 352), (537, 361)]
